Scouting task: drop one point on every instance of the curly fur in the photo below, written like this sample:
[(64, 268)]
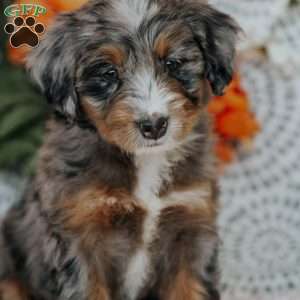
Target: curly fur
[(110, 214)]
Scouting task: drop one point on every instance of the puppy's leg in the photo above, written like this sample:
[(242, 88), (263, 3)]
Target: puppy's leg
[(108, 225), (185, 286), (185, 283), (187, 250)]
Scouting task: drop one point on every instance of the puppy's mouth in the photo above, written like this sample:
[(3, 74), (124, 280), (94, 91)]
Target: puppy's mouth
[(161, 145), (154, 144)]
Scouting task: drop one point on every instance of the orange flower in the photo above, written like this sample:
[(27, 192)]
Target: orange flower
[(225, 152), (17, 56), (216, 106), (234, 122), (67, 5), (236, 125)]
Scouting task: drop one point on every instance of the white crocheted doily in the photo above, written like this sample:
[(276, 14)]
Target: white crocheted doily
[(256, 18), (260, 195), (284, 45), (11, 188), (272, 24)]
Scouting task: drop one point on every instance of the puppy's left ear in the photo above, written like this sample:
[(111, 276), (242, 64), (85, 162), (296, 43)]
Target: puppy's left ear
[(216, 34)]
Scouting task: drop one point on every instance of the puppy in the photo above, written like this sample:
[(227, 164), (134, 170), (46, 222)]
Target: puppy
[(124, 202)]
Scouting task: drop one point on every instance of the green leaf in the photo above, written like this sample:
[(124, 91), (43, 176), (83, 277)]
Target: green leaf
[(22, 115), (13, 153), (18, 119)]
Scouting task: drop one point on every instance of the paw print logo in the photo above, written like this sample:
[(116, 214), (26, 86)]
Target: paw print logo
[(24, 32)]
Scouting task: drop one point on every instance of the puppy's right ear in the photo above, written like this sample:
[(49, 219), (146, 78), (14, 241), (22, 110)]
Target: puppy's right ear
[(52, 65), (216, 34)]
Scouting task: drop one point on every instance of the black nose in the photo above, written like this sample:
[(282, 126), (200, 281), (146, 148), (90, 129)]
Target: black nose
[(153, 129)]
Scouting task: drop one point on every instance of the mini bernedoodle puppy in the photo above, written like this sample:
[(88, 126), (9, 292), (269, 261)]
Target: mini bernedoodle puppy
[(123, 205)]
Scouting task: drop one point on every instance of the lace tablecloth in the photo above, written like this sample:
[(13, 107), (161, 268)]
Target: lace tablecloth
[(11, 188), (260, 215), (256, 17), (270, 24)]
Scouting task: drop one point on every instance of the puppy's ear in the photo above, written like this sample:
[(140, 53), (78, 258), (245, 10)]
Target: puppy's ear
[(216, 34), (53, 64)]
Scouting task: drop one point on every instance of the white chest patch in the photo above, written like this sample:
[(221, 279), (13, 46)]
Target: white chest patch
[(152, 169)]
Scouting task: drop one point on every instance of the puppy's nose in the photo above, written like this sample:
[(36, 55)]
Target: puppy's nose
[(153, 128)]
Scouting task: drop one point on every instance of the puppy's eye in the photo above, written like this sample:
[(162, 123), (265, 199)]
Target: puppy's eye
[(173, 65), (110, 75)]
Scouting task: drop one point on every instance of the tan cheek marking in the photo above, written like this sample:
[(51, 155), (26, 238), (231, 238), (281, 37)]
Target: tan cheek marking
[(186, 113), (117, 126), (120, 123), (119, 114), (95, 116)]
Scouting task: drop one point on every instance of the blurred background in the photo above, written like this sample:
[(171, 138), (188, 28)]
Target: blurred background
[(257, 123)]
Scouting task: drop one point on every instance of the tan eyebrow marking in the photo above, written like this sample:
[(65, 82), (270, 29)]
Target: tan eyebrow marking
[(162, 45), (113, 53)]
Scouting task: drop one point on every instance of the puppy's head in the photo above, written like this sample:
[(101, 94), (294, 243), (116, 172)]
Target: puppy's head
[(140, 71)]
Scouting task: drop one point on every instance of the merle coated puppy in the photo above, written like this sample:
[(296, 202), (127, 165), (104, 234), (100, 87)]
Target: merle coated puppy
[(124, 204)]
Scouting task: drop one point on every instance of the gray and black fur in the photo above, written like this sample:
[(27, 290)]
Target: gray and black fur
[(83, 220)]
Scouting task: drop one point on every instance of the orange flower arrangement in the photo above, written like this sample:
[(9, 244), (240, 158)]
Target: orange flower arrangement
[(234, 123), (66, 5)]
